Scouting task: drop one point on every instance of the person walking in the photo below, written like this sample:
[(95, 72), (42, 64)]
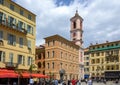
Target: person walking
[(90, 82), (31, 81), (56, 82), (78, 82)]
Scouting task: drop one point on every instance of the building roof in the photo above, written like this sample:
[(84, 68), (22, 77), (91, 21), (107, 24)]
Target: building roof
[(23, 7), (60, 38), (106, 43), (76, 17)]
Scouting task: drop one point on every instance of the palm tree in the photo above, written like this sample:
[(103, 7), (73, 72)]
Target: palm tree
[(32, 68)]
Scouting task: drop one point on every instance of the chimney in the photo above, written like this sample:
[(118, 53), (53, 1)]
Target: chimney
[(107, 41)]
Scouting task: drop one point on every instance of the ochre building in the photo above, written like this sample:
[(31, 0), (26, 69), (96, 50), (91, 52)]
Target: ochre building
[(40, 59), (61, 53), (17, 36), (105, 60)]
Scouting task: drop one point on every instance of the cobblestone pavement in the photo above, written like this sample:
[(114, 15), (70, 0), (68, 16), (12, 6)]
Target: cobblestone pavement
[(108, 83)]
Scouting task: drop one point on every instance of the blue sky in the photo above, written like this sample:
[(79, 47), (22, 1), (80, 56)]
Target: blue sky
[(101, 18)]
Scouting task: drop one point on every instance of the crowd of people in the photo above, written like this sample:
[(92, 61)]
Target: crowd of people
[(58, 82)]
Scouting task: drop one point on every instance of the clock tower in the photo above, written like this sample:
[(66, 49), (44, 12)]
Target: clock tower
[(76, 31), (76, 34)]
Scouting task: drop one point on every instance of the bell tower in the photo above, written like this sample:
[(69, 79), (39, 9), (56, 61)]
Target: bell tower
[(76, 31), (76, 34)]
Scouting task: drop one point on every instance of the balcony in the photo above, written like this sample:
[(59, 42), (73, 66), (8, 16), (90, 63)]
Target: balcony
[(11, 65), (12, 27)]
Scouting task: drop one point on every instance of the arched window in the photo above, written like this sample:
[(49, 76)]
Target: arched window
[(74, 24)]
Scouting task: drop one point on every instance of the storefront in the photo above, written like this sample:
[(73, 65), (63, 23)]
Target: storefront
[(112, 75)]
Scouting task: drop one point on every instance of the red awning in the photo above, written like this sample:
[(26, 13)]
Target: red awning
[(8, 75), (25, 75), (39, 76), (6, 71)]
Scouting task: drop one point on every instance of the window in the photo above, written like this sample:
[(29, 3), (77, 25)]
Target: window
[(48, 54), (93, 61), (97, 54), (21, 25), (21, 12), (11, 57), (87, 58), (74, 24), (21, 59), (87, 63), (29, 60), (2, 18), (29, 29), (103, 46), (1, 35), (92, 68), (43, 64), (39, 56), (74, 34), (61, 65), (61, 54), (12, 7), (1, 1), (53, 53), (48, 65), (53, 65), (29, 44), (102, 53), (12, 22), (2, 56), (39, 64), (29, 17), (21, 42), (98, 61), (11, 39)]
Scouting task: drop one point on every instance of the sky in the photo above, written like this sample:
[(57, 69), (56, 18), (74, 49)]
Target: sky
[(101, 19)]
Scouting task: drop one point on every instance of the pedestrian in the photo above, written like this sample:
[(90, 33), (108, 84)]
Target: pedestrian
[(31, 81), (56, 82), (73, 81), (79, 82), (90, 82)]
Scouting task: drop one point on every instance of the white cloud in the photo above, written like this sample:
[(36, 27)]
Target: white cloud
[(101, 18)]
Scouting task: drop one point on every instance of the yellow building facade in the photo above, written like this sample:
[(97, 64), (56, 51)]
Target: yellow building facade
[(105, 60), (61, 54), (86, 63), (17, 36)]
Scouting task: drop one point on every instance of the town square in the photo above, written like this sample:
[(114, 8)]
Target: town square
[(59, 42)]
